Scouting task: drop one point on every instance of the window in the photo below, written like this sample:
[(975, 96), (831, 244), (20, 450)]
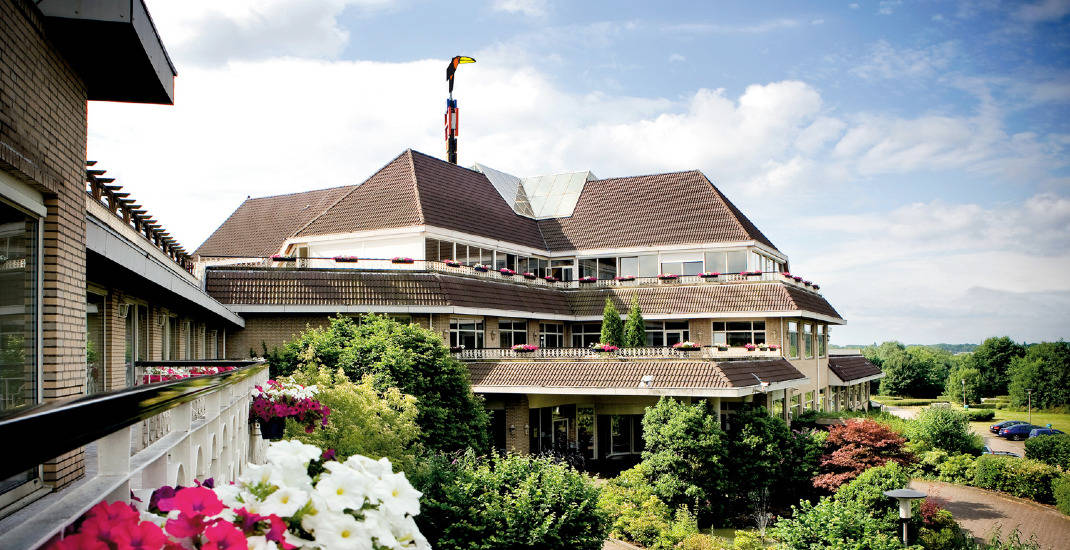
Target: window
[(213, 345), (822, 341), (732, 261), (513, 332), (137, 337), (94, 344), (467, 333), (172, 338), (625, 434), (202, 345), (601, 268), (19, 242), (796, 406), (793, 339), (551, 335), (808, 340), (586, 334), (187, 337), (588, 267), (682, 268), (809, 400), (629, 267), (738, 333), (666, 333), (639, 266), (562, 269)]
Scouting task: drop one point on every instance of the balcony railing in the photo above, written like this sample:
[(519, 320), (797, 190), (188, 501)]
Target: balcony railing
[(494, 354), (379, 264), (135, 440)]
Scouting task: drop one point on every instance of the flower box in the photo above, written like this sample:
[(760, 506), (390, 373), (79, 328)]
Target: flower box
[(786, 274), (686, 346), (281, 258), (507, 272), (550, 279), (481, 268), (815, 286), (808, 283), (525, 348), (709, 275), (773, 347), (604, 348), (401, 260), (529, 275), (346, 259), (721, 347), (753, 273), (452, 263), (456, 349), (763, 347), (668, 277), (624, 278), (588, 279), (750, 347), (797, 278)]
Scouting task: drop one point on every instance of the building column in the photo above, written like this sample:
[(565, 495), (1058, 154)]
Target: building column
[(517, 430)]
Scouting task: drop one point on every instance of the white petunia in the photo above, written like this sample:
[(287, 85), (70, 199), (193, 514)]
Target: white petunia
[(343, 488), (228, 494), (343, 532), (284, 502), (291, 450), (397, 495), (260, 542)]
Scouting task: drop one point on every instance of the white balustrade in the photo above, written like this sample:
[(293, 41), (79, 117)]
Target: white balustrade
[(493, 354)]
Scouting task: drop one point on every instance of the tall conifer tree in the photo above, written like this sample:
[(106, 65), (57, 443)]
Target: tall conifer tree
[(612, 325), (635, 327)]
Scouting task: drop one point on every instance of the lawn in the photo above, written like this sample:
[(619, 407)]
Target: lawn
[(1059, 421)]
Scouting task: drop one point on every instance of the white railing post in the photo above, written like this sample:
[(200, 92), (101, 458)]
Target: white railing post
[(113, 459)]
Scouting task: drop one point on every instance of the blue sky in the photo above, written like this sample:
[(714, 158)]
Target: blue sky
[(910, 156)]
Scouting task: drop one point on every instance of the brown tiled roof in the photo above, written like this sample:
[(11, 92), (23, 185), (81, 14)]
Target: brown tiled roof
[(272, 286), (259, 226), (852, 367), (660, 209), (629, 373)]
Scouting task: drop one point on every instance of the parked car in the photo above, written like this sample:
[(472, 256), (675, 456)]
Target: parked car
[(988, 451), (1017, 432), (995, 428), (1044, 431)]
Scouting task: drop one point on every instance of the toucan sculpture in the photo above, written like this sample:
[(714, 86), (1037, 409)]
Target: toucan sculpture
[(452, 114)]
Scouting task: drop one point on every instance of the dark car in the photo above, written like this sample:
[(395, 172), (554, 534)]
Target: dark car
[(1044, 431), (988, 451), (995, 428), (1017, 432)]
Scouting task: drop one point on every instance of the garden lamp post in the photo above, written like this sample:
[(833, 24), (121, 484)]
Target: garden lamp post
[(904, 496), (963, 393), (1029, 406)]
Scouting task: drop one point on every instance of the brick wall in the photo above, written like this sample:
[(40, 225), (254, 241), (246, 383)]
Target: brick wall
[(43, 142), (273, 330), (517, 415)]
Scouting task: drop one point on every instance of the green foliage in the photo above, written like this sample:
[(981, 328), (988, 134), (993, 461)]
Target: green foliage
[(702, 541), (1020, 477), (928, 464), (748, 540), (992, 360), (632, 509), (915, 371), (1012, 542), (684, 455), (958, 469), (1061, 490), (954, 387), (1050, 449), (762, 453), (1045, 368), (940, 532), (983, 415), (407, 357), (943, 428), (507, 502), (635, 326), (363, 420), (612, 325)]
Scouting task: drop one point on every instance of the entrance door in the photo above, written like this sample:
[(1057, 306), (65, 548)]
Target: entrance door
[(560, 434)]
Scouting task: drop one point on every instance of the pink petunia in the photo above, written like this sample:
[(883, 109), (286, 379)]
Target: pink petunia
[(224, 536)]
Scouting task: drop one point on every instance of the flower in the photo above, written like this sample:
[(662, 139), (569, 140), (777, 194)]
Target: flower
[(668, 276), (528, 275), (710, 274), (525, 347), (604, 347), (551, 279), (224, 536), (686, 345), (401, 260), (452, 263), (281, 258), (507, 271), (624, 278), (588, 279), (750, 347), (346, 259)]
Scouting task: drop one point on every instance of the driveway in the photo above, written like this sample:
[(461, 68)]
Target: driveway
[(979, 511)]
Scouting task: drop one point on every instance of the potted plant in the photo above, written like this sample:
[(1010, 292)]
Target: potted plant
[(276, 402), (757, 273), (668, 276), (797, 278), (550, 279), (401, 260), (588, 279), (281, 258), (507, 272), (452, 263), (621, 278), (750, 347), (529, 275), (808, 283), (763, 347), (346, 259), (525, 348), (709, 275), (481, 268), (686, 346), (786, 274), (604, 348), (721, 347), (773, 347), (815, 287)]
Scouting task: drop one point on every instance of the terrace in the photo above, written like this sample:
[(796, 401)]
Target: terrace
[(705, 352)]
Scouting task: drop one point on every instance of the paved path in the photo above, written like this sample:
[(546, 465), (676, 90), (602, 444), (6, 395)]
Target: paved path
[(979, 511), (614, 544), (908, 413)]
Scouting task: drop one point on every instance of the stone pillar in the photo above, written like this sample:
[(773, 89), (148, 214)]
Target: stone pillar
[(517, 430)]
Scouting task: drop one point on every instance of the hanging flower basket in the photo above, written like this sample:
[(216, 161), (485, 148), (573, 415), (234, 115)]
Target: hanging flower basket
[(668, 277), (588, 279), (550, 279), (529, 275), (750, 347), (452, 263), (604, 348), (481, 268), (346, 259), (624, 278), (272, 429), (709, 275), (686, 346), (507, 272), (401, 260), (525, 348), (277, 401), (281, 258)]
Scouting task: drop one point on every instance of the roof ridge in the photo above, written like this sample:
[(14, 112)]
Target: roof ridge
[(416, 187), (649, 175), (298, 192), (739, 216)]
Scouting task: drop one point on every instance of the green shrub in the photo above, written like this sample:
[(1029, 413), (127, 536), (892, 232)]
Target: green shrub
[(633, 511), (1061, 490), (829, 524), (702, 541), (1012, 542), (980, 416), (943, 428), (929, 462), (684, 455), (1050, 449), (987, 406), (507, 502), (939, 530), (958, 469), (748, 540), (1020, 477)]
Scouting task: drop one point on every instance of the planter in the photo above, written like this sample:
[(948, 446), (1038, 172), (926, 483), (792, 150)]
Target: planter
[(451, 263), (797, 278), (687, 348), (722, 348), (625, 278), (507, 272), (480, 268), (709, 275), (774, 347), (754, 273), (763, 348), (605, 348), (346, 259), (815, 287), (550, 279), (278, 258), (401, 260), (668, 277), (456, 349), (272, 429), (524, 350), (588, 279), (530, 276)]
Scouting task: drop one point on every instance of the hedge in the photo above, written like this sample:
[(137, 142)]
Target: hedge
[(1050, 449), (1061, 488), (980, 416), (1020, 477)]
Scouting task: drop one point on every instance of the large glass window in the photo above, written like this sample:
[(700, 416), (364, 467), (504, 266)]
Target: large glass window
[(586, 334), (588, 267), (213, 345), (467, 333), (94, 343), (512, 332), (822, 340), (808, 340), (793, 339), (629, 267), (732, 261), (625, 434), (551, 335), (562, 269), (666, 333), (607, 268), (682, 268), (738, 333), (19, 239), (172, 338), (137, 337)]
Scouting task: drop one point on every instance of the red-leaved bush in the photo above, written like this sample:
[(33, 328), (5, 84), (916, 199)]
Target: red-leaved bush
[(856, 447)]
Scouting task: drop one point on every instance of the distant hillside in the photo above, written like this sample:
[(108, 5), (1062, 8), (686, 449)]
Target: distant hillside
[(953, 348)]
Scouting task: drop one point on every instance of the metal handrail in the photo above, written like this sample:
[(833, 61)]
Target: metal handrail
[(58, 427)]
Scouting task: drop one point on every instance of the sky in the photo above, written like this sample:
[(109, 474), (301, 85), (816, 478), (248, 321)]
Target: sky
[(910, 157)]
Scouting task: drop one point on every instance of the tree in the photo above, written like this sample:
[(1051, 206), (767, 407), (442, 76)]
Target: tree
[(954, 385), (1045, 368), (684, 455), (993, 359), (412, 359), (612, 325), (946, 429), (855, 447), (635, 327), (915, 371)]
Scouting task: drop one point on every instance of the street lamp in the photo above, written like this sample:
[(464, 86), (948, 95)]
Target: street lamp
[(904, 496), (1029, 407), (963, 393)]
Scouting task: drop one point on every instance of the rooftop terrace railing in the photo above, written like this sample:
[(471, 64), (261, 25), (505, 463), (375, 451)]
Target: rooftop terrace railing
[(713, 353), (143, 437), (530, 279)]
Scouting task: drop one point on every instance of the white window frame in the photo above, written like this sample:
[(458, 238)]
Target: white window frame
[(581, 334), (714, 332), (558, 330), (808, 340), (456, 331), (512, 331), (796, 352)]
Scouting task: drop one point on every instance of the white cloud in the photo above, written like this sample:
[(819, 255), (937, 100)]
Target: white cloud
[(741, 28), (676, 58), (884, 61), (854, 5), (1044, 11), (530, 8), (887, 7)]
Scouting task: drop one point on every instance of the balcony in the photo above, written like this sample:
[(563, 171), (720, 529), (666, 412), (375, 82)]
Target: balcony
[(711, 353), (134, 440)]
